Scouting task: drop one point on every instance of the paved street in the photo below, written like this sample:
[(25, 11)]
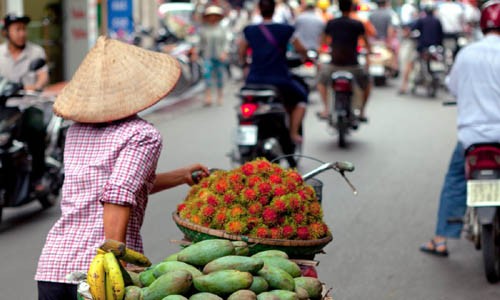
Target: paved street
[(401, 156)]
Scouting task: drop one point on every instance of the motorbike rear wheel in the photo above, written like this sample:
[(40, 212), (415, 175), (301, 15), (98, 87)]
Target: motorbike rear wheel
[(342, 125), (490, 237)]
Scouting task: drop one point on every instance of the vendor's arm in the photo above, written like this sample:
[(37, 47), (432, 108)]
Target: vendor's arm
[(115, 219), (177, 177)]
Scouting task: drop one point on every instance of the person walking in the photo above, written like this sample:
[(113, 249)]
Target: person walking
[(214, 48), (110, 159)]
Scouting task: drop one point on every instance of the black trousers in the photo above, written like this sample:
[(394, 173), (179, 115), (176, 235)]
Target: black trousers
[(33, 133), (56, 291)]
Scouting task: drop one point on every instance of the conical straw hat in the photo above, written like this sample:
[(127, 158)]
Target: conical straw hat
[(114, 81)]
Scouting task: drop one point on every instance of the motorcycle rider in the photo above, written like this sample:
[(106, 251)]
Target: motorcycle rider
[(452, 17), (430, 28), (342, 34), (475, 82), (309, 26), (17, 54), (269, 42)]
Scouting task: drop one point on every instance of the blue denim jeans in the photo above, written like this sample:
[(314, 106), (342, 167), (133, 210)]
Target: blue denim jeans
[(453, 200)]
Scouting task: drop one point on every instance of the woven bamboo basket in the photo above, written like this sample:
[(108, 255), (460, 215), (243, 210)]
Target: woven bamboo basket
[(294, 248)]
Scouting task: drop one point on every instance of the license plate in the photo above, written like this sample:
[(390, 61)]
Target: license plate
[(483, 193), (437, 66), (377, 70), (246, 135)]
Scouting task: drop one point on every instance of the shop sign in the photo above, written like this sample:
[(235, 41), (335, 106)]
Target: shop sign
[(120, 20)]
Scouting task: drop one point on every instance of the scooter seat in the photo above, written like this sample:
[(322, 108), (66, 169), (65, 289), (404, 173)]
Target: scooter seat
[(259, 90)]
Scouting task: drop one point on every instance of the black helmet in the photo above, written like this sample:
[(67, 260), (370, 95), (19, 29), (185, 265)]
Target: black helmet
[(13, 18)]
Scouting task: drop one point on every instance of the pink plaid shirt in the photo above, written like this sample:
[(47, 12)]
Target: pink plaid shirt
[(111, 163)]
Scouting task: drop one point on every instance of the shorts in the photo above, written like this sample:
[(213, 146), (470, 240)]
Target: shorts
[(55, 290), (360, 75)]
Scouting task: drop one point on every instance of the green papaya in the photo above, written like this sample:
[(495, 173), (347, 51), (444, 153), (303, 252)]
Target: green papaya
[(243, 295), (301, 293), (175, 297), (271, 253), (259, 285), (172, 257), (277, 278), (147, 277), (201, 253), (133, 293), (312, 285), (176, 282), (168, 266), (223, 282), (205, 296), (241, 248), (285, 295), (135, 278), (234, 262), (291, 267), (267, 296)]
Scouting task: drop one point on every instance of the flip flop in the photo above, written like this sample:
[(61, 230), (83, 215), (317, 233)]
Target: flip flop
[(433, 250)]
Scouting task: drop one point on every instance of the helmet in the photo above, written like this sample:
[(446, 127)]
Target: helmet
[(13, 18), (490, 15), (323, 4)]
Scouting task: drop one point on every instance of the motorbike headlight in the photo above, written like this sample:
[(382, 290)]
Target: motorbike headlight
[(4, 138)]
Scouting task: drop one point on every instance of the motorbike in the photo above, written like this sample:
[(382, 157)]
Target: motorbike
[(482, 218), (381, 63), (262, 126), (308, 69), (16, 186), (343, 116), (429, 71)]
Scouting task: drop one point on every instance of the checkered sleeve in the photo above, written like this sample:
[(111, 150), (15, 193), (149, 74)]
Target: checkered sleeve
[(136, 163)]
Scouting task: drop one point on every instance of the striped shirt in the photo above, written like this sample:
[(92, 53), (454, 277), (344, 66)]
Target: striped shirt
[(104, 163)]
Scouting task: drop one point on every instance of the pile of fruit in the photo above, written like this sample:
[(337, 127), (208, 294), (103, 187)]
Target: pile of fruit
[(259, 200), (210, 270)]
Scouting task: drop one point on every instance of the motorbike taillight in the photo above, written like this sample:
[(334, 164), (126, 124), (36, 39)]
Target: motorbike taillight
[(309, 64), (342, 85), (248, 109), (482, 158)]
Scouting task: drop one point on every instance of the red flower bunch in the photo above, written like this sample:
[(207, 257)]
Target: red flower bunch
[(259, 199)]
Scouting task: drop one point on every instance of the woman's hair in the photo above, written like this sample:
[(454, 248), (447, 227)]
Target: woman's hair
[(345, 5), (266, 8)]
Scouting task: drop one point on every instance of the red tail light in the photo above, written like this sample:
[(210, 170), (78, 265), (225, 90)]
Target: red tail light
[(248, 109), (309, 64), (342, 85)]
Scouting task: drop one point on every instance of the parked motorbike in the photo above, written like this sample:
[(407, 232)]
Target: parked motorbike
[(16, 186), (262, 126), (482, 219), (429, 71)]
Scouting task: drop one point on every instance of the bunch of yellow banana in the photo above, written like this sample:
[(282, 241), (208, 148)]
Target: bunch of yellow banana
[(105, 278)]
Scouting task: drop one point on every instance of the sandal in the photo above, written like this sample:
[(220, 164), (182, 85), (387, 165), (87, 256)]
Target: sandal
[(432, 246)]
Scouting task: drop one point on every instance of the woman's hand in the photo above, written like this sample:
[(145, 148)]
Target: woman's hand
[(177, 177)]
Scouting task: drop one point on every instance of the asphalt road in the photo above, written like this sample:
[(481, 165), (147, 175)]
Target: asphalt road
[(401, 156)]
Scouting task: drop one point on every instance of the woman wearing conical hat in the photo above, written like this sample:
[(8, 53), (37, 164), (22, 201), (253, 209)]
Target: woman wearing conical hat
[(110, 158)]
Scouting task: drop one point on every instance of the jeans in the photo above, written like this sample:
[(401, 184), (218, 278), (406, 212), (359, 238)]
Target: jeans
[(215, 67), (453, 200)]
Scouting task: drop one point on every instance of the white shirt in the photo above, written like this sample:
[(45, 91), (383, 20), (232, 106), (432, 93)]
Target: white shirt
[(475, 81), (17, 70), (409, 13), (451, 15)]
